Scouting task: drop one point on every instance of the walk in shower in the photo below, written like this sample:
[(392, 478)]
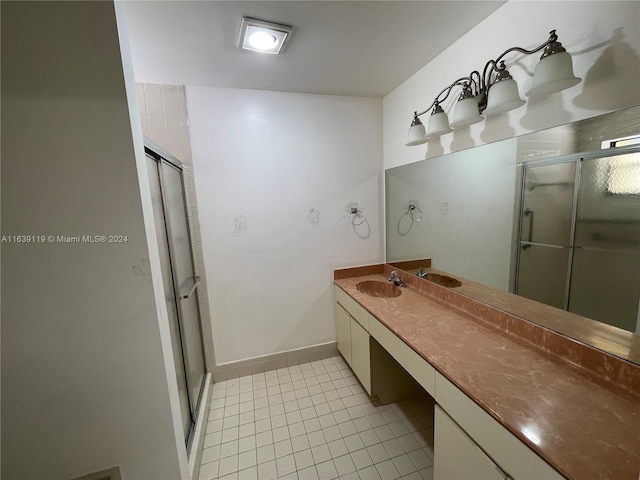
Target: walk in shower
[(579, 234), (166, 179)]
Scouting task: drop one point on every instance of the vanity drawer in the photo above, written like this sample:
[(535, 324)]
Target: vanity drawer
[(413, 363), (356, 310)]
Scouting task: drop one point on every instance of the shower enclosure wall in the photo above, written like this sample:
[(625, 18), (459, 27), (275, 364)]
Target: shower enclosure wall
[(179, 280), (579, 235)]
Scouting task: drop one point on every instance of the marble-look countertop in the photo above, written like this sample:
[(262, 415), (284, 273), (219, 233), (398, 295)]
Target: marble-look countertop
[(582, 428)]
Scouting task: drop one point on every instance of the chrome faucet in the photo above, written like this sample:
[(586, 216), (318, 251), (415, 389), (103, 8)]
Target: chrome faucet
[(395, 279), (422, 273)]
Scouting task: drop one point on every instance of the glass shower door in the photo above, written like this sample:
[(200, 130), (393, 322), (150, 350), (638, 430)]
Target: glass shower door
[(185, 280), (579, 245), (169, 294), (605, 273), (545, 233), (180, 284)]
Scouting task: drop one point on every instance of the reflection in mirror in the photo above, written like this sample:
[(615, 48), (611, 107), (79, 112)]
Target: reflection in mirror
[(552, 215)]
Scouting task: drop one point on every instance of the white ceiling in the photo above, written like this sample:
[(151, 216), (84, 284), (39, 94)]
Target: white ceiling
[(357, 48)]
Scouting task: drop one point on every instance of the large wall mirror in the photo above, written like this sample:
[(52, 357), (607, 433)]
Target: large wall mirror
[(553, 216)]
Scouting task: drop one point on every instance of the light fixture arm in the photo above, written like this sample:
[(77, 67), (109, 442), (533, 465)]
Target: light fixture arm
[(483, 82), (459, 82), (494, 64)]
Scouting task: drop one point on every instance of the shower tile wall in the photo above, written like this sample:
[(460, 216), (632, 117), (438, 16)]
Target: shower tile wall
[(163, 112), (549, 143)]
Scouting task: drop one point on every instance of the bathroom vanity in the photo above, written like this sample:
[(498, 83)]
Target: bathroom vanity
[(513, 399)]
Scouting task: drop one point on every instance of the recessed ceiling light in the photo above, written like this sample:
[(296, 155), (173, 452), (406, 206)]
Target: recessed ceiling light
[(261, 36)]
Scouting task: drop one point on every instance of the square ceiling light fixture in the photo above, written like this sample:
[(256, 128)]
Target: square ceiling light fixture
[(261, 36)]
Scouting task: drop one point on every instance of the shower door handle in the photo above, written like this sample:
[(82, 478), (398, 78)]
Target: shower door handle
[(196, 282), (529, 213)]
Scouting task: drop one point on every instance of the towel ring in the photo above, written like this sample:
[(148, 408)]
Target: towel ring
[(355, 213), (412, 212)]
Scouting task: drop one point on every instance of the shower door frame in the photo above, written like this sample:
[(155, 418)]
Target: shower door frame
[(576, 158), (160, 156)]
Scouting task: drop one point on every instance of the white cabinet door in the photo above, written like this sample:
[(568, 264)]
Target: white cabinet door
[(457, 457), (360, 355), (343, 331)]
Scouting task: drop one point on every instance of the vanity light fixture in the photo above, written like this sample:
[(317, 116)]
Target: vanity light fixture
[(495, 91), (262, 36)]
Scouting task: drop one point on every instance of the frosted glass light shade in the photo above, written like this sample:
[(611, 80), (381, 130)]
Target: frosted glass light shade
[(502, 97), (553, 73), (466, 113), (417, 135), (438, 125)]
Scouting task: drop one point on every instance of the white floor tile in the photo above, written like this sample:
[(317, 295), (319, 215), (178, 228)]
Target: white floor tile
[(369, 437), (290, 476), (247, 460), (248, 474), (296, 429), (327, 470), (309, 473), (420, 459), (369, 473), (247, 443), (316, 438), (347, 428), (354, 442), (229, 448), (361, 459), (331, 433), (377, 453), (409, 443), (267, 471), (300, 442), (427, 473), (228, 465), (209, 471), (264, 438), (344, 465), (211, 454), (285, 465), (393, 447), (404, 465), (338, 448), (283, 448), (304, 459), (387, 470), (351, 476), (265, 453), (321, 453), (246, 430), (314, 421)]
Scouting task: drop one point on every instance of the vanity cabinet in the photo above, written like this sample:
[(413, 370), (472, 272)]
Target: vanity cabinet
[(468, 441), (508, 453), (353, 337), (343, 332), (457, 455), (361, 355)]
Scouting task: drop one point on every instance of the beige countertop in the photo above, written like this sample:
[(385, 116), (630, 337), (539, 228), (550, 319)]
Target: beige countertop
[(583, 427)]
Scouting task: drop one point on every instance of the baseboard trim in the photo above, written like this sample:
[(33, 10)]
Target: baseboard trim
[(264, 363)]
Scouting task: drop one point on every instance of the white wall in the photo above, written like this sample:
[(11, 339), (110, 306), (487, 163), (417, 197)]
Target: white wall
[(270, 158), (603, 38), (85, 358)]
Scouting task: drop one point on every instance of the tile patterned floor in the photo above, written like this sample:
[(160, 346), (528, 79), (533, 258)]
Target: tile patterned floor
[(314, 421)]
